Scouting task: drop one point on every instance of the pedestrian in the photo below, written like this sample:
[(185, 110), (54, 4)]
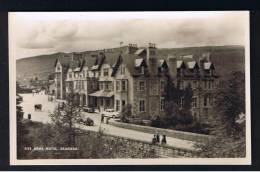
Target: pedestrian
[(164, 139), (102, 118), (154, 140), (29, 116), (158, 137)]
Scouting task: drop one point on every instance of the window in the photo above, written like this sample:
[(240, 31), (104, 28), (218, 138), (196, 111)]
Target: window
[(101, 86), (209, 85), (142, 105), (86, 73), (211, 72), (106, 86), (194, 102), (162, 103), (181, 85), (123, 85), (141, 85), (101, 102), (162, 85), (70, 75), (182, 102), (105, 72), (107, 102), (142, 70), (117, 85), (205, 101), (117, 105), (82, 85), (205, 84), (122, 70), (211, 101), (123, 103)]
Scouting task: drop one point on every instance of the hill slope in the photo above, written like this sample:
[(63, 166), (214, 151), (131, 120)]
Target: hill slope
[(225, 58)]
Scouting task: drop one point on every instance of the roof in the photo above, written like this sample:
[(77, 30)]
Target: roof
[(102, 93), (95, 67), (138, 62), (77, 69), (179, 63), (191, 64), (208, 65), (139, 51)]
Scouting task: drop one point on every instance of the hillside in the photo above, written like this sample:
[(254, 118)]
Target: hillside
[(225, 58)]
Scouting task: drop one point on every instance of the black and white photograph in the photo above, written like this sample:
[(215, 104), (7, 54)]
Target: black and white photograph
[(129, 88)]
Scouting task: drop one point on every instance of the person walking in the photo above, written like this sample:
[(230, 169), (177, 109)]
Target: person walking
[(102, 118), (164, 140), (158, 137), (154, 140)]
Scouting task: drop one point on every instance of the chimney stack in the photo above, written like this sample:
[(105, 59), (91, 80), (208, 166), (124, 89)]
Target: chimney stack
[(132, 48), (172, 64), (151, 58)]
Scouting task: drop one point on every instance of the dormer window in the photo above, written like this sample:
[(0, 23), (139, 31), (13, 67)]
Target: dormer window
[(142, 70), (105, 72)]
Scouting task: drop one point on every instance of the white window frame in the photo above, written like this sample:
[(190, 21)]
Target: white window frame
[(162, 103), (117, 85), (105, 72), (143, 109), (139, 86), (142, 70), (194, 102), (124, 85), (117, 105)]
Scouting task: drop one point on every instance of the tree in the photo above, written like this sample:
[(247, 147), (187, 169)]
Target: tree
[(229, 135), (184, 116), (65, 118), (230, 100), (22, 132), (172, 98), (126, 112)]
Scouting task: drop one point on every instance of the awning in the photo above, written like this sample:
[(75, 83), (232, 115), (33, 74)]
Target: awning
[(102, 93)]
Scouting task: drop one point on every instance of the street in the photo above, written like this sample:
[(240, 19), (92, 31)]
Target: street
[(30, 100)]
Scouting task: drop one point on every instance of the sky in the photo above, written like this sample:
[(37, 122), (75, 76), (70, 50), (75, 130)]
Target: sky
[(37, 33)]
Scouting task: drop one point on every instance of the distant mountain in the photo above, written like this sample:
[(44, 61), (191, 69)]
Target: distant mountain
[(225, 58)]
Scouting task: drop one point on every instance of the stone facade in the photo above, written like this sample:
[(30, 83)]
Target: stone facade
[(137, 77)]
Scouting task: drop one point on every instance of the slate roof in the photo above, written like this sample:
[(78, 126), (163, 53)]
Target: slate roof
[(139, 51), (191, 64), (138, 62), (208, 65)]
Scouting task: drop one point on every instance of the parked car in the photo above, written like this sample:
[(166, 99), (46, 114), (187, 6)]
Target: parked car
[(88, 109), (111, 113), (88, 121)]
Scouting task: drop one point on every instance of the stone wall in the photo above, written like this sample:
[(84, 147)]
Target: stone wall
[(170, 133), (129, 148)]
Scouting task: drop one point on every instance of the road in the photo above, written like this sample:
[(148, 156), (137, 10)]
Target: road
[(47, 107)]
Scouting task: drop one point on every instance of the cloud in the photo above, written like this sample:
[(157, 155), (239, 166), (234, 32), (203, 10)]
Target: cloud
[(66, 35)]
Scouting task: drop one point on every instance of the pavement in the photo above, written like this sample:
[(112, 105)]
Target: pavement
[(30, 100)]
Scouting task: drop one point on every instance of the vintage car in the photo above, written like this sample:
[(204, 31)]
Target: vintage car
[(111, 113), (88, 109)]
